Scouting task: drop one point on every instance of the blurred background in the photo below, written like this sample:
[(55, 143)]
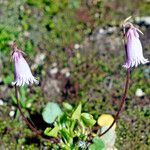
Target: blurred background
[(75, 49)]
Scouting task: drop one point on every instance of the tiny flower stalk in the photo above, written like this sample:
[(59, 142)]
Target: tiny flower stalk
[(23, 75), (121, 104), (134, 57)]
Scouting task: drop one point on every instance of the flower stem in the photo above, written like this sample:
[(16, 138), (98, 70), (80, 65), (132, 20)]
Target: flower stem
[(121, 104), (29, 124)]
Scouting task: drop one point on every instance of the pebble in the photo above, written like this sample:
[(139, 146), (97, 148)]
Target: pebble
[(76, 46), (54, 64), (1, 102), (12, 107), (145, 20), (54, 70), (139, 93), (40, 58), (66, 72), (11, 113), (26, 34)]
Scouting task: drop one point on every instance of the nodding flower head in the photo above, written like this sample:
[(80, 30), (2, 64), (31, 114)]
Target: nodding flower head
[(133, 47), (22, 72)]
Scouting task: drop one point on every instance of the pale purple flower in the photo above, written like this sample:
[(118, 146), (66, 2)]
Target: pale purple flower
[(22, 72), (134, 51)]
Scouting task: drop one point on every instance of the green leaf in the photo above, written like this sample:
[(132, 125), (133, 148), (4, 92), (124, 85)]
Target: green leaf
[(52, 132), (51, 112), (65, 147), (66, 136), (97, 144), (77, 113), (74, 4), (8, 79), (67, 106), (88, 119), (62, 119)]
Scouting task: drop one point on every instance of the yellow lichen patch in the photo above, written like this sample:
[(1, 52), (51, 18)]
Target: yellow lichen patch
[(106, 120)]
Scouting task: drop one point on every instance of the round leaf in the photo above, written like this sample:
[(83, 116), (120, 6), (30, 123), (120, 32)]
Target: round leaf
[(51, 112)]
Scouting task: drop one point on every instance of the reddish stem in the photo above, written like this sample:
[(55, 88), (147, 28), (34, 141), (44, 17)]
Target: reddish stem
[(121, 104), (29, 124)]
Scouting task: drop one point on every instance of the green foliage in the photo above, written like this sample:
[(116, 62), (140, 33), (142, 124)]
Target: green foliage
[(88, 119), (67, 106), (52, 132), (8, 79), (97, 144), (71, 125), (51, 112), (25, 100), (77, 113)]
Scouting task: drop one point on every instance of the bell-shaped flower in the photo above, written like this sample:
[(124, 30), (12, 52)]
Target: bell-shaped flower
[(22, 72), (133, 47)]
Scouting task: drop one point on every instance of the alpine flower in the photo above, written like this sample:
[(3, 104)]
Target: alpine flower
[(22, 72), (133, 47)]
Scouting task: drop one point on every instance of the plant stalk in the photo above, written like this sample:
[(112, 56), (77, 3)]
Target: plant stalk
[(121, 104), (29, 124)]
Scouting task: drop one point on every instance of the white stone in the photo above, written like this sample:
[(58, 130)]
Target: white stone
[(12, 107), (22, 7), (102, 31), (26, 34), (96, 15), (54, 64), (68, 74), (39, 59), (1, 102), (64, 70), (11, 113), (139, 93), (54, 70), (76, 46), (145, 19)]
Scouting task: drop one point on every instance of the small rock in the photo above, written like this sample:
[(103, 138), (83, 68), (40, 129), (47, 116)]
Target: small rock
[(12, 107), (54, 64), (1, 102), (39, 59), (11, 113), (143, 20), (96, 15), (67, 74), (64, 70), (76, 46), (139, 93), (54, 71), (26, 34), (22, 7)]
